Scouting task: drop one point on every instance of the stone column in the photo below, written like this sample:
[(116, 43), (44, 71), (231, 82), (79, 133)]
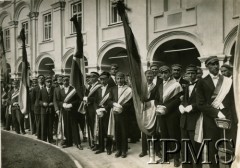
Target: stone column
[(58, 34), (13, 46), (33, 36)]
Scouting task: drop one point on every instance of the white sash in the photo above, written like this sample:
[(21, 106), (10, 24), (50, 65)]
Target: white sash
[(124, 98), (171, 89), (15, 94), (93, 89), (70, 95)]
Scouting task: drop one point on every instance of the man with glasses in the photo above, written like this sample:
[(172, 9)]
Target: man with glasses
[(214, 100)]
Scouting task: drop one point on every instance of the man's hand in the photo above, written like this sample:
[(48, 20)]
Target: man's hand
[(57, 112), (51, 104), (45, 104), (85, 99), (188, 108), (181, 109), (221, 115)]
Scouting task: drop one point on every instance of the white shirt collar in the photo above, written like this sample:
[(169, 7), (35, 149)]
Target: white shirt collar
[(214, 77)]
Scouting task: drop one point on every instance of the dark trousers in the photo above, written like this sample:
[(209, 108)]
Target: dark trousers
[(33, 122), (47, 127), (104, 140), (121, 133), (71, 131), (38, 125), (8, 121), (144, 143), (90, 116), (189, 134), (18, 120), (170, 128), (3, 115)]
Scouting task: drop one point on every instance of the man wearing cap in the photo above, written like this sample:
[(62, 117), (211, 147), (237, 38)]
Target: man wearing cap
[(189, 115), (90, 102), (47, 110), (69, 102), (102, 112), (167, 101), (57, 108), (226, 70), (37, 107), (17, 116), (120, 100), (214, 99), (155, 69), (176, 74)]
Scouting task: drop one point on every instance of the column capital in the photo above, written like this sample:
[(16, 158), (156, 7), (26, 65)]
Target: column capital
[(13, 23), (60, 5), (33, 14)]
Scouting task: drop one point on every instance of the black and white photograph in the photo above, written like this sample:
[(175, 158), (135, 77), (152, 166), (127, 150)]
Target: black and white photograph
[(120, 83)]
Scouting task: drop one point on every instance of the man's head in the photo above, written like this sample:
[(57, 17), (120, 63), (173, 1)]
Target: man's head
[(212, 63), (41, 79), (149, 76), (48, 81), (66, 81), (199, 73), (165, 72), (226, 70), (114, 69), (15, 84), (60, 79), (88, 79), (94, 77), (104, 77), (120, 78), (176, 70), (191, 72), (154, 68)]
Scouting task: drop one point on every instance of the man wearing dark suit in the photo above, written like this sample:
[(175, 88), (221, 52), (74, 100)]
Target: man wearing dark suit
[(103, 112), (37, 107), (113, 71), (57, 108), (151, 96), (90, 101), (47, 111), (177, 75), (155, 69), (69, 102), (167, 101), (120, 100), (189, 114), (208, 89)]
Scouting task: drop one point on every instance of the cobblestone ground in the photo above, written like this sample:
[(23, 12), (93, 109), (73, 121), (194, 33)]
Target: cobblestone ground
[(87, 159)]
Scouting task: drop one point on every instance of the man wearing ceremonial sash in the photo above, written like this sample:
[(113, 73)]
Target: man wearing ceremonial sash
[(214, 100), (69, 102), (226, 70), (167, 102), (17, 116), (120, 100), (102, 115), (37, 107), (151, 96), (155, 69), (189, 114), (47, 111), (57, 108), (90, 101)]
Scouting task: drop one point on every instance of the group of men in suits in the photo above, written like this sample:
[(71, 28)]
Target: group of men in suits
[(181, 103)]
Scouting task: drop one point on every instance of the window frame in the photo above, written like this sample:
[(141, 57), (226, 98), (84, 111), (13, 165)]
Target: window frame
[(7, 39), (118, 19), (47, 25)]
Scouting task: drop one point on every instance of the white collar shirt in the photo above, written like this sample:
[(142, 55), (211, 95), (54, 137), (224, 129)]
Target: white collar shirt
[(214, 79), (104, 88), (66, 89)]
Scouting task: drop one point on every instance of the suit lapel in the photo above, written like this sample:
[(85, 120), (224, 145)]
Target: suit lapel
[(209, 82), (160, 89)]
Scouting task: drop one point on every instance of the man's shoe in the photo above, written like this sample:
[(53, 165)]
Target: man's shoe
[(79, 147), (98, 151), (176, 163), (142, 154), (118, 154), (94, 148), (109, 152), (124, 155)]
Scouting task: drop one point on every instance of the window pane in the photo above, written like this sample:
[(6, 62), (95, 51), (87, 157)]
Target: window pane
[(49, 18)]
